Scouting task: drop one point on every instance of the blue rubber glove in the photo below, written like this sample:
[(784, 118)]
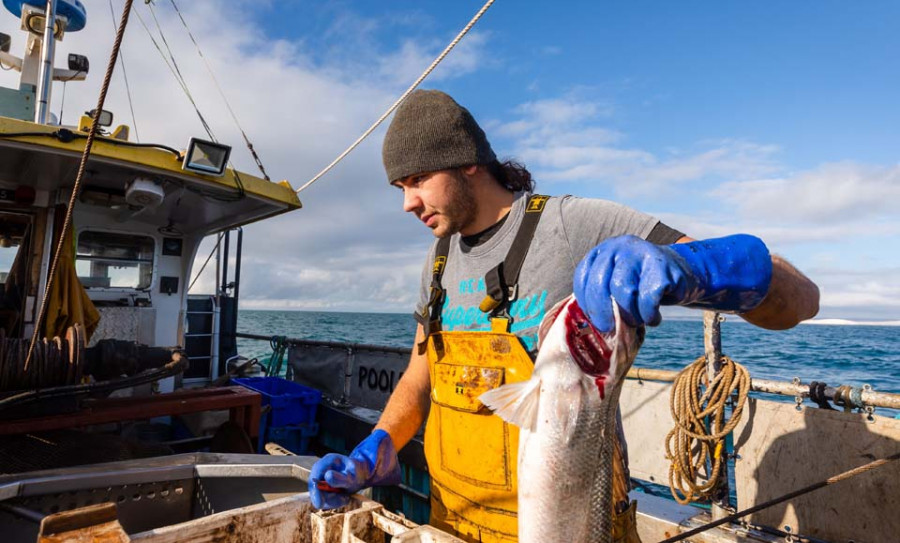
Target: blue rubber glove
[(373, 462), (725, 274)]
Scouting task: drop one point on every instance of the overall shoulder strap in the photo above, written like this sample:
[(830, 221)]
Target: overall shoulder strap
[(502, 280), (431, 313)]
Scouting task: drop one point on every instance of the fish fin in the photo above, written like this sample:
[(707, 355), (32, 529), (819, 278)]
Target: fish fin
[(516, 403), (573, 407)]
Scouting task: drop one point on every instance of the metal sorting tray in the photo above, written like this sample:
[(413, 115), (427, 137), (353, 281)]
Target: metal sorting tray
[(151, 493)]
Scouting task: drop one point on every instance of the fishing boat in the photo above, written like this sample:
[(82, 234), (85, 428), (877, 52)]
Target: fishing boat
[(120, 416)]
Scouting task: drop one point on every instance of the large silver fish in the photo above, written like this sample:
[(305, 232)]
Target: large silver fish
[(567, 416)]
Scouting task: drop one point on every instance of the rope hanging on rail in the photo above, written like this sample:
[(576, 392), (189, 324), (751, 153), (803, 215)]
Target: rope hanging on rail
[(697, 442), (279, 346)]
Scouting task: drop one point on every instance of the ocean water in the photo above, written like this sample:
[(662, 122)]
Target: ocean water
[(835, 354)]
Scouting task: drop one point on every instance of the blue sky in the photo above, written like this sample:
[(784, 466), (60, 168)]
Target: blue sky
[(773, 118)]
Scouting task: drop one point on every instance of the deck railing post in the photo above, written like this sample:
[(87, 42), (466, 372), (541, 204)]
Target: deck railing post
[(712, 343)]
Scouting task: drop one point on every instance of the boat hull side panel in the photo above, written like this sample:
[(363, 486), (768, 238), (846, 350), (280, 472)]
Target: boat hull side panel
[(782, 449)]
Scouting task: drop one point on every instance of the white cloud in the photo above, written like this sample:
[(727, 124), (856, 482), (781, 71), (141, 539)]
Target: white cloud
[(351, 246), (779, 234), (872, 293), (404, 66), (563, 140), (832, 193), (303, 101)]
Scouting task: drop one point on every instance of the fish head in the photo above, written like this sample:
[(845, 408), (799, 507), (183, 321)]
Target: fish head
[(603, 356)]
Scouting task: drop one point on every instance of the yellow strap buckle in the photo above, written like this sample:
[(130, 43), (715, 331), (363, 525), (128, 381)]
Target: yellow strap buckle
[(500, 325)]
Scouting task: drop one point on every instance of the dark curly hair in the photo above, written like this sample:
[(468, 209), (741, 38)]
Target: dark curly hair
[(512, 175)]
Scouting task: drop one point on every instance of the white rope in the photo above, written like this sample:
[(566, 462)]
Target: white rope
[(412, 87)]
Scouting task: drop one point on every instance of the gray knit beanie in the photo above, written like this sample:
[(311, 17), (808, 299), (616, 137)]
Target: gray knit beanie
[(430, 132)]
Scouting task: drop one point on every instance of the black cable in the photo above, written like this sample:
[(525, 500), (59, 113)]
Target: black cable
[(174, 367), (62, 102), (65, 135)]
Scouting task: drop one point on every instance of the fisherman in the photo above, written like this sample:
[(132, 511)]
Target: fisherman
[(503, 257)]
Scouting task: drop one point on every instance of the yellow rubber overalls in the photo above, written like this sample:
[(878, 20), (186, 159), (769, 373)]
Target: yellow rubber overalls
[(472, 454)]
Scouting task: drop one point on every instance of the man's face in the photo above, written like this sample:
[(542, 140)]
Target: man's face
[(443, 200)]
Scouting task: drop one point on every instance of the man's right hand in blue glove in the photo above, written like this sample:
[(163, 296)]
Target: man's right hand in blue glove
[(724, 274), (373, 462)]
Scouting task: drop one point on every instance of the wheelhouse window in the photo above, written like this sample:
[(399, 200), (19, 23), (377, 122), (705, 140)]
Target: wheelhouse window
[(112, 260)]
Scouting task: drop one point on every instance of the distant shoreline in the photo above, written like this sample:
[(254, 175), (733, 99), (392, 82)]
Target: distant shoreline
[(847, 322)]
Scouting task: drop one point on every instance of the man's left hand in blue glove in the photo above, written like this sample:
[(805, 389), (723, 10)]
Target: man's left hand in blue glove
[(726, 274), (373, 462)]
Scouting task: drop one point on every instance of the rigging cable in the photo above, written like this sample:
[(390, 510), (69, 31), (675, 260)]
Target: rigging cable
[(176, 72), (412, 87), (203, 267), (62, 102), (95, 125), (112, 13), (212, 75)]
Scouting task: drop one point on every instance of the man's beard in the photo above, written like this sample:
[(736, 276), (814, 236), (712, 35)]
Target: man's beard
[(461, 209)]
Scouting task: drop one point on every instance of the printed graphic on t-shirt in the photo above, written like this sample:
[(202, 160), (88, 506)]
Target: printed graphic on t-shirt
[(526, 312)]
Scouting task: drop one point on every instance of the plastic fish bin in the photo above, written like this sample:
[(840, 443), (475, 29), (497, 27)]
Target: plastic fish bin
[(291, 403), (293, 438)]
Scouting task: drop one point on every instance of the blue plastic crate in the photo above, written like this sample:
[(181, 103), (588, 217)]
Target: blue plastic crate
[(291, 403), (293, 438)]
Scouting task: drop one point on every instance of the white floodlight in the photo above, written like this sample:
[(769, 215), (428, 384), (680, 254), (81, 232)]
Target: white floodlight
[(106, 117), (206, 157)]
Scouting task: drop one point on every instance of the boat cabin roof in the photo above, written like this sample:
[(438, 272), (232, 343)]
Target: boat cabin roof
[(47, 159)]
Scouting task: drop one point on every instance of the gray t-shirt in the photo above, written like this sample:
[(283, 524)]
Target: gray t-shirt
[(569, 227)]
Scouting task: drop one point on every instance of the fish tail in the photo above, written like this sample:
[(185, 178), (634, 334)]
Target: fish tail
[(516, 403)]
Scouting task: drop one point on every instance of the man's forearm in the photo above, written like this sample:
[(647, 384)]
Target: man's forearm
[(408, 405), (404, 413), (792, 298)]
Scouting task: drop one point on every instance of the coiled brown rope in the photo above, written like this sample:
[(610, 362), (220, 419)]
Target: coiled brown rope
[(698, 438)]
